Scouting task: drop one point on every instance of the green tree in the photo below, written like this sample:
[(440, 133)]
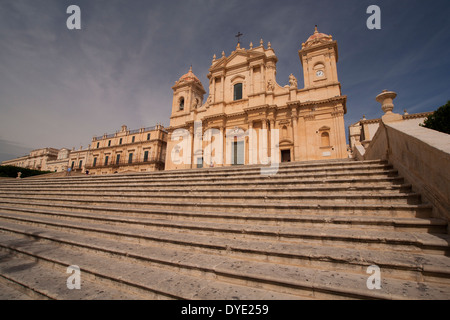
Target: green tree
[(440, 119), (11, 172)]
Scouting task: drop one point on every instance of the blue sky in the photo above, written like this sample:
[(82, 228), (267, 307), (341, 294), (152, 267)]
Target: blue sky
[(60, 87)]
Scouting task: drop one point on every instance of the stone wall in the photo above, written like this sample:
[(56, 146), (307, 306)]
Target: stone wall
[(420, 155)]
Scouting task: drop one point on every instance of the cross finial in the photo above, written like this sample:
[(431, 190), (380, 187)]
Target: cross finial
[(239, 35)]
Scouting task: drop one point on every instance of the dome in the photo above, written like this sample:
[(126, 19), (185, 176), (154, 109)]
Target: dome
[(189, 77), (317, 38)]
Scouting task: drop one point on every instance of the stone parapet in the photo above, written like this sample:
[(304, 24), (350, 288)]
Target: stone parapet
[(421, 155)]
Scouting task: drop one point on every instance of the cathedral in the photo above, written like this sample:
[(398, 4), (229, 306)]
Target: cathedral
[(248, 118)]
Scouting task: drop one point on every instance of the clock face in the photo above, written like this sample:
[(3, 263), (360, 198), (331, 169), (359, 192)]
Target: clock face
[(319, 73)]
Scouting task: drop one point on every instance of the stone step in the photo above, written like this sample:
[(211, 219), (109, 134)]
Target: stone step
[(213, 172), (293, 190), (34, 280), (230, 170), (362, 198), (138, 279), (231, 209), (390, 210), (341, 183), (309, 231), (149, 217), (212, 236), (12, 291), (287, 279), (210, 173), (294, 177)]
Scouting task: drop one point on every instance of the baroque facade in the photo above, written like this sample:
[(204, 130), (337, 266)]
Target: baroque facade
[(245, 104), (128, 150), (38, 159)]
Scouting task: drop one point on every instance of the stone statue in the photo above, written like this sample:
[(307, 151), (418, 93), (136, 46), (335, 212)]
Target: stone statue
[(270, 85), (292, 81)]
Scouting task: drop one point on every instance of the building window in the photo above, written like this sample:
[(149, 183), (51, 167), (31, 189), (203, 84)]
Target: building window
[(95, 162), (98, 145), (237, 91), (106, 160), (148, 136), (130, 158), (109, 143), (73, 164), (133, 139), (145, 156), (80, 164), (118, 159), (181, 105), (120, 141)]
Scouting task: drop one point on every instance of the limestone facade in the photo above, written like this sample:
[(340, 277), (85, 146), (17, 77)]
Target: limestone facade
[(128, 150), (245, 104), (61, 163), (38, 159)]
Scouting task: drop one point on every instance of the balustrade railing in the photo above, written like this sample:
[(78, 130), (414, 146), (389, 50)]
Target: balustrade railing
[(124, 162)]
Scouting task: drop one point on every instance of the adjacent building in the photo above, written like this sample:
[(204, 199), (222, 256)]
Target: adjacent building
[(362, 132), (126, 150), (137, 150), (38, 159)]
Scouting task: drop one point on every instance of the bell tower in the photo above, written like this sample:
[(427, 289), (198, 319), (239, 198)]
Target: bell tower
[(188, 94), (319, 55)]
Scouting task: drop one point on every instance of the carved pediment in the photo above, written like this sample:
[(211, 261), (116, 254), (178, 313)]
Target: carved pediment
[(240, 56)]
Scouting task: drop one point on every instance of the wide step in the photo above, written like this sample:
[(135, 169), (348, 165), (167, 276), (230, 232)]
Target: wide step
[(311, 231), (217, 272)]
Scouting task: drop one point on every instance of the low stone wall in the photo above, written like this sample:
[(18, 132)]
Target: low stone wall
[(422, 157)]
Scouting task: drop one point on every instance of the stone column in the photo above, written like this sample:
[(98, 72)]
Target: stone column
[(250, 91), (272, 127), (302, 141), (192, 136), (294, 117), (224, 153), (263, 79), (263, 141), (223, 88), (213, 91), (250, 142)]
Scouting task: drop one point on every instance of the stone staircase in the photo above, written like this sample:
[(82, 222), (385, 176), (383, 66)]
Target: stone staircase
[(309, 232)]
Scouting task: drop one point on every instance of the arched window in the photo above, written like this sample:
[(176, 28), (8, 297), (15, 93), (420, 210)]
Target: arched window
[(237, 93), (181, 103), (325, 139)]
